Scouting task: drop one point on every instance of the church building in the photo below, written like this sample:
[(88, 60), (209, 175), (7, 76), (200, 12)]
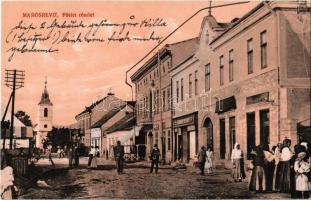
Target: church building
[(44, 118)]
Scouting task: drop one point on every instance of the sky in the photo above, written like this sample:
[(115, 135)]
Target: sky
[(78, 73)]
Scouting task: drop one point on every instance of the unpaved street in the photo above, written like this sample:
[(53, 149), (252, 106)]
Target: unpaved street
[(137, 182)]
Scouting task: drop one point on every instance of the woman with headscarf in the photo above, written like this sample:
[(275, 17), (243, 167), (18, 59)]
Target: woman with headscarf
[(285, 173), (236, 157), (257, 181)]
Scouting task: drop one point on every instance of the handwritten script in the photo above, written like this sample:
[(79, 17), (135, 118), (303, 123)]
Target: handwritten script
[(48, 36)]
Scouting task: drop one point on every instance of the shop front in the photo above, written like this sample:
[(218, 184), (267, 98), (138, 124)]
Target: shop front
[(185, 137), (96, 138)]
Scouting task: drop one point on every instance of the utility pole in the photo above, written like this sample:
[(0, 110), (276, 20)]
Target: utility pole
[(14, 79)]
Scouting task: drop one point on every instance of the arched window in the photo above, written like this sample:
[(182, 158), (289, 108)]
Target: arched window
[(45, 112)]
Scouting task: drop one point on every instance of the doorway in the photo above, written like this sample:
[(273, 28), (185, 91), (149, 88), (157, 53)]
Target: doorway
[(232, 132), (222, 138), (209, 132), (250, 118), (264, 127)]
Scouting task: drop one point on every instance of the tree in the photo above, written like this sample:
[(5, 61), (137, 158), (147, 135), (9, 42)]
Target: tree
[(23, 117)]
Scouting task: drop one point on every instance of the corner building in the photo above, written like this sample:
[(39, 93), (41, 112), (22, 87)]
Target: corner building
[(252, 82)]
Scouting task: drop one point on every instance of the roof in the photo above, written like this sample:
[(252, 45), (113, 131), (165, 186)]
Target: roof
[(107, 116), (236, 22), (126, 123), (45, 99), (88, 109), (179, 51)]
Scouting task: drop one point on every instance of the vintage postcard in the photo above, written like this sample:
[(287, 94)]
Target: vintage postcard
[(155, 99)]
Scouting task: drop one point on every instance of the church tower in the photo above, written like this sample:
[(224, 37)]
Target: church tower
[(44, 117)]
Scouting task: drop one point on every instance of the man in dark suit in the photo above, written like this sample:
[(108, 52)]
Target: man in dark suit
[(118, 151), (155, 157)]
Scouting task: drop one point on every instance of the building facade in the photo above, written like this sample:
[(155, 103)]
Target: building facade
[(253, 81), (153, 96)]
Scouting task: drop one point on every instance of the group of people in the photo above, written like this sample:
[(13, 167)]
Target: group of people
[(280, 169), (93, 154)]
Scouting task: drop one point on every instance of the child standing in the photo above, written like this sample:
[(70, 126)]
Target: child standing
[(302, 167)]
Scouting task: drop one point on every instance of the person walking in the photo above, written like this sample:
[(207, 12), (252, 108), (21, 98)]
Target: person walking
[(91, 156), (236, 157), (209, 161), (202, 159), (94, 160), (49, 153), (119, 157), (155, 157)]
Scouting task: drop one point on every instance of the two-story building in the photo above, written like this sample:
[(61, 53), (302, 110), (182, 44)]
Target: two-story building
[(153, 95), (248, 82)]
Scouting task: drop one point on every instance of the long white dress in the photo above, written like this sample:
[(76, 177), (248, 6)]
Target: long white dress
[(302, 182), (209, 162)]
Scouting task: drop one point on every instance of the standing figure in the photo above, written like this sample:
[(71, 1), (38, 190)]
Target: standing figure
[(76, 156), (269, 167), (257, 180), (49, 153), (94, 160), (155, 157), (277, 158), (209, 161), (91, 156), (70, 156), (302, 168), (236, 157), (285, 174), (119, 156), (202, 159)]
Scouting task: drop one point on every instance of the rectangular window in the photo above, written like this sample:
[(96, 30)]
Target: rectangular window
[(190, 85), (221, 70), (163, 103), (207, 77), (181, 89), (263, 49), (168, 98), (196, 83), (250, 56), (231, 69), (168, 140), (158, 101), (177, 91)]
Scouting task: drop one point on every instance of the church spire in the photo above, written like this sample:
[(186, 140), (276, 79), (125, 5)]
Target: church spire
[(45, 99), (210, 8)]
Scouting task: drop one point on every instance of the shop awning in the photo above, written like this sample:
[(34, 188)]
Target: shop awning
[(225, 105)]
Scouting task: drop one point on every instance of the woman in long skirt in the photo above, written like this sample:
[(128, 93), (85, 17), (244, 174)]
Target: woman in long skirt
[(209, 162), (236, 156), (302, 168), (285, 174)]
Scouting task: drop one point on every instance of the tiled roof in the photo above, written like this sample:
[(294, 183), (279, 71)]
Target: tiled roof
[(107, 116), (126, 123)]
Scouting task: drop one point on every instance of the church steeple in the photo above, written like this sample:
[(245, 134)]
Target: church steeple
[(45, 99)]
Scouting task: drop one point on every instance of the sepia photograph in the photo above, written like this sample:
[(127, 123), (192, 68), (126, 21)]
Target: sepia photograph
[(149, 99)]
